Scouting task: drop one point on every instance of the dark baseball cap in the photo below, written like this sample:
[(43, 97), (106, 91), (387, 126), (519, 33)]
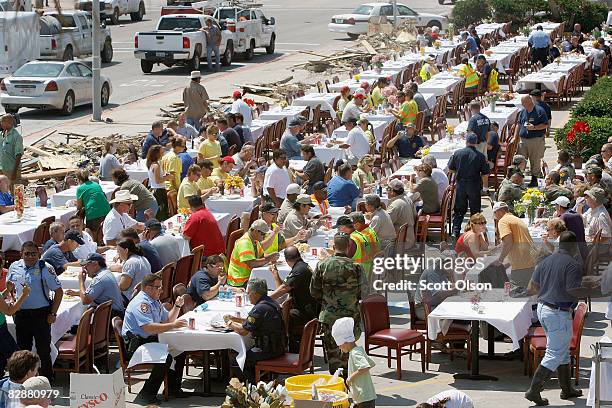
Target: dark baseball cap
[(268, 207), (75, 236), (319, 185), (94, 257), (152, 224), (344, 221), (535, 92)]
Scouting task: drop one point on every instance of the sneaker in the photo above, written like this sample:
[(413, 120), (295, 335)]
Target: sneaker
[(143, 399)]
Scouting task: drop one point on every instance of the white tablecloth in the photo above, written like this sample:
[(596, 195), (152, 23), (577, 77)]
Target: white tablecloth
[(283, 270), (137, 171), (548, 80), (486, 28), (503, 113), (298, 164), (326, 100), (258, 126), (408, 168), (378, 126), (202, 338), (439, 84), (563, 67), (444, 148), (15, 233), (233, 206), (351, 83), (70, 278), (325, 154), (511, 317), (385, 72), (61, 198), (278, 113)]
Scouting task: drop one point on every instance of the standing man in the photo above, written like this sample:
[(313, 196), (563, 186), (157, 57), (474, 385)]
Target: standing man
[(195, 99), (276, 179), (533, 123), (469, 165), (336, 284), (539, 42), (240, 106), (480, 125), (145, 318), (38, 311), (264, 323), (11, 149), (557, 282), (213, 41), (538, 98)]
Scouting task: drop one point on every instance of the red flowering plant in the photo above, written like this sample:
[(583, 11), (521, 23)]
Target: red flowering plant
[(249, 102), (576, 139)]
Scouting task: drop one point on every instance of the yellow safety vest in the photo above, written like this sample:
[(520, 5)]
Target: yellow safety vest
[(424, 74), (372, 237), (239, 272), (364, 254), (323, 207), (493, 85), (275, 243), (408, 112), (470, 74)]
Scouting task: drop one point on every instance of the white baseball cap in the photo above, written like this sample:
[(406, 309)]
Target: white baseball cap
[(293, 188), (563, 201), (499, 205)]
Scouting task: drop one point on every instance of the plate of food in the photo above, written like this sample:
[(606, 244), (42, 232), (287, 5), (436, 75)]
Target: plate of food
[(70, 298), (232, 196)]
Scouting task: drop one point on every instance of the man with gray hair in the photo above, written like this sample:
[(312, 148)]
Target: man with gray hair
[(380, 222), (401, 210), (264, 323), (437, 175), (56, 231)]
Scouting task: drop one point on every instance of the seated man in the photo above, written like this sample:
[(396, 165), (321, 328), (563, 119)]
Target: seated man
[(264, 323), (552, 188), (205, 283), (145, 318), (103, 287), (60, 255), (342, 192), (435, 276), (7, 203), (56, 231), (305, 308), (166, 245), (118, 218), (512, 191), (90, 246), (408, 143)]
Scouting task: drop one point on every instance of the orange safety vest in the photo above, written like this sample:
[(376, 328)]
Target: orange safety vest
[(471, 76), (324, 206), (239, 272), (408, 111)]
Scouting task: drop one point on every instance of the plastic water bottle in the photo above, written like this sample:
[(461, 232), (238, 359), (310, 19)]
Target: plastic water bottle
[(49, 204), (37, 201), (326, 241)]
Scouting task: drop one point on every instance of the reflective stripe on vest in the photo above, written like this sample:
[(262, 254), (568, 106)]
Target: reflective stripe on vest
[(408, 112), (493, 85), (364, 254), (274, 245), (471, 77), (360, 242), (372, 237), (323, 207), (239, 272)]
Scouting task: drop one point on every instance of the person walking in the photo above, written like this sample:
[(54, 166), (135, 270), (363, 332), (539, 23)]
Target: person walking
[(557, 282), (336, 284), (469, 166), (11, 149), (539, 43), (213, 41), (195, 99), (533, 123)]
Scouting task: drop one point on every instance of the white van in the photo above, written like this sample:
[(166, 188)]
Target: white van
[(18, 40)]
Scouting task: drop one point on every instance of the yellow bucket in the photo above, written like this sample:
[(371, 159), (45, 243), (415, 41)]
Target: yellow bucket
[(304, 382), (342, 400)]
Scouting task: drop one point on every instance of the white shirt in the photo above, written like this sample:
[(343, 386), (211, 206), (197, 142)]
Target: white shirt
[(359, 145), (167, 247), (597, 55), (458, 399), (382, 224), (89, 247), (441, 180), (595, 220), (114, 223), (240, 106), (351, 111), (278, 179)]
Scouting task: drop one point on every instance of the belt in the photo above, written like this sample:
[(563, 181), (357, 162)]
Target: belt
[(555, 307)]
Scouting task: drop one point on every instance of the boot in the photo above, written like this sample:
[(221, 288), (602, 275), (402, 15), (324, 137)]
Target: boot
[(565, 382), (537, 385)]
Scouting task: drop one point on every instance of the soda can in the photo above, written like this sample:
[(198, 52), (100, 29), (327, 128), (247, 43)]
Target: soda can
[(507, 288), (237, 314), (313, 251), (170, 225), (191, 323), (242, 192), (238, 300), (179, 218)]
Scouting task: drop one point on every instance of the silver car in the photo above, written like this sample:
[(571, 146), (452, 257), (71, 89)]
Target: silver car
[(51, 85)]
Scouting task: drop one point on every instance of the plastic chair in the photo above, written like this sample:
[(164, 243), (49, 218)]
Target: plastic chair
[(378, 333), (73, 351)]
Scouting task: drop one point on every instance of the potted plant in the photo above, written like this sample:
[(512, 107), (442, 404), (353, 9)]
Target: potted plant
[(576, 142)]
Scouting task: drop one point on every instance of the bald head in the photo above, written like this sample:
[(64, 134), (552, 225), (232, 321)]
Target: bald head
[(606, 151), (292, 254)]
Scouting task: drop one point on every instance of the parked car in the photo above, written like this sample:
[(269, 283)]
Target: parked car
[(113, 9), (68, 35), (356, 23), (51, 85)]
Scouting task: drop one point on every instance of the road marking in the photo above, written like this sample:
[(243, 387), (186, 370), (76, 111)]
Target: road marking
[(280, 43)]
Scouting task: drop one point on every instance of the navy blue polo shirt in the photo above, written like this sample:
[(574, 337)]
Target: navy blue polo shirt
[(408, 147), (201, 282), (536, 117), (469, 164), (556, 275), (546, 108), (479, 124)]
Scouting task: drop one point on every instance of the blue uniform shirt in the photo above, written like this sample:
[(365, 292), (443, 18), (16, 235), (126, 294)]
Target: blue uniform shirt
[(57, 258), (36, 278), (291, 145), (536, 117), (142, 310), (480, 125), (104, 287), (469, 164), (187, 161), (6, 199), (200, 282), (539, 39), (407, 147), (546, 108), (341, 192), (472, 47)]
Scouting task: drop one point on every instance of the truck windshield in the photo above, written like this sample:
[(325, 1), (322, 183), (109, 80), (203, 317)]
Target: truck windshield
[(224, 14), (39, 70), (179, 23)]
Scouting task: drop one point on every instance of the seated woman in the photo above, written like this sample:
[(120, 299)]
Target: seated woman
[(473, 242), (363, 177), (7, 203), (427, 189), (550, 239), (368, 130)]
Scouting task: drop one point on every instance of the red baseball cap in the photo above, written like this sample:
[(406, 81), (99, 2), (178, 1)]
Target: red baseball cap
[(228, 159), (364, 85), (359, 95), (237, 94), (345, 89)]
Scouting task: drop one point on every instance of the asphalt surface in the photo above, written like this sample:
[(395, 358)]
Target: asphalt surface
[(300, 26)]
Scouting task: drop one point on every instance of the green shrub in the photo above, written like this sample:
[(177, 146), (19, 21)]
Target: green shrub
[(519, 12), (466, 12), (589, 14), (601, 129), (597, 101)]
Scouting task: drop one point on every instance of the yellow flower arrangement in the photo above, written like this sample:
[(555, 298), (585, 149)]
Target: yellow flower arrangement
[(437, 44), (530, 201), (184, 211), (450, 129), (424, 151), (234, 182), (356, 77), (283, 104)]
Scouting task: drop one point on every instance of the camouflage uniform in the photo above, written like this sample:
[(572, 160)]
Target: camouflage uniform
[(554, 191), (567, 171), (509, 193), (336, 283)]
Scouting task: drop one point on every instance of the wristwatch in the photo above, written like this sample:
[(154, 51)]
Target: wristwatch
[(53, 314), (177, 306)]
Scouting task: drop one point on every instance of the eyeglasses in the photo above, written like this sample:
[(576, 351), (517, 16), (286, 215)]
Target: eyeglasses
[(30, 254)]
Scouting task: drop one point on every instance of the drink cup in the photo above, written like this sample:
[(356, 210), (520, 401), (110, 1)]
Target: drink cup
[(191, 323)]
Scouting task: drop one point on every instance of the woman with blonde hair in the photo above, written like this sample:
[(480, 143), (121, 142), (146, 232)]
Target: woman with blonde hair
[(554, 228), (210, 148), (368, 130), (157, 177), (363, 176), (473, 242)]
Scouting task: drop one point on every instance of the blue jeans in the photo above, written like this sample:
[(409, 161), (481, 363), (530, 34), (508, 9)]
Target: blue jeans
[(140, 217), (557, 325), (209, 51)]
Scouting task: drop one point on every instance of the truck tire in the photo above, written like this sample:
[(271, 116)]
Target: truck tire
[(228, 55), (114, 18), (107, 52), (434, 23), (194, 63), (270, 48), (68, 106), (105, 94), (353, 36), (146, 66), (137, 16), (250, 52), (10, 109), (68, 54)]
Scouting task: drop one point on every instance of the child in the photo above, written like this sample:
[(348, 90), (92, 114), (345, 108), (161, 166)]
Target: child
[(359, 379)]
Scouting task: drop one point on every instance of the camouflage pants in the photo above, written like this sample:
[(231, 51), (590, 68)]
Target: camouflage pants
[(335, 357)]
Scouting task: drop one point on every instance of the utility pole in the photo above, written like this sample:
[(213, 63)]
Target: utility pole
[(96, 66), (394, 3)]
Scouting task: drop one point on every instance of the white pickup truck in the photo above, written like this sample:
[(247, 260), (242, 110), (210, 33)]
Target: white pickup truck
[(113, 9), (68, 35), (179, 39)]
